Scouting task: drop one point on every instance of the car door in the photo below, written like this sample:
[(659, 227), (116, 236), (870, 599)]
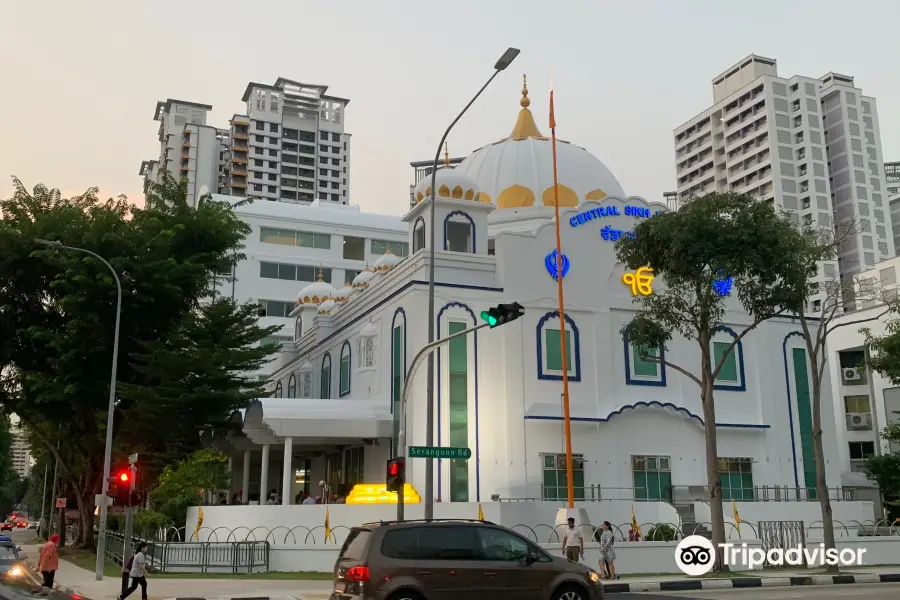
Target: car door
[(447, 564), (521, 574)]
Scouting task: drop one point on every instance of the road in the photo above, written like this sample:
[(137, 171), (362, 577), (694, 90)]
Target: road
[(875, 591)]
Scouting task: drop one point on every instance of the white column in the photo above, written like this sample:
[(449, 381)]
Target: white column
[(264, 475), (288, 473), (230, 491), (245, 476)]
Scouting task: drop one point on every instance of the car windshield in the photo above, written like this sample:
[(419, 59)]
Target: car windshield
[(7, 554)]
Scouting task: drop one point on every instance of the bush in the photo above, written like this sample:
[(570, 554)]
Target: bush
[(115, 522), (147, 523), (661, 533)]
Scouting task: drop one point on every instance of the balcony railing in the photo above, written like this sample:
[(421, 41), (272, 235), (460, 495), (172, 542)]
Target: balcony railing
[(678, 494)]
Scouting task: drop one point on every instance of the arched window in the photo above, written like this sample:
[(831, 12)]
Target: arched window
[(292, 386), (344, 388), (279, 391), (731, 375), (459, 232), (549, 348), (298, 327), (418, 235), (325, 385), (644, 366)]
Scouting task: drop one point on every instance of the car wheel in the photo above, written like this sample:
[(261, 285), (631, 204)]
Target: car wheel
[(570, 592), (406, 595)]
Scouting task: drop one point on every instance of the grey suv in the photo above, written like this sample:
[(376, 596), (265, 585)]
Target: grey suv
[(454, 560)]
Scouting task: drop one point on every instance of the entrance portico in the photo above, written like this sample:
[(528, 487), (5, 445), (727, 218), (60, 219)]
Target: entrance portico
[(341, 442)]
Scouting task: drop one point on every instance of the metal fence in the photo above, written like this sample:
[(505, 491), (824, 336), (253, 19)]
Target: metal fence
[(676, 493), (234, 556)]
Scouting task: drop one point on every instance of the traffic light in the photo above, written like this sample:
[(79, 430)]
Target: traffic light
[(502, 314), (396, 475), (121, 486), (113, 489)]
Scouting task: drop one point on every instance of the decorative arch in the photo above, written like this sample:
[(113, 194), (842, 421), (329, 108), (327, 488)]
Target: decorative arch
[(344, 367), (542, 373), (567, 196), (597, 194), (418, 226), (444, 191), (398, 369), (325, 377), (515, 196), (483, 197), (279, 391), (419, 197), (634, 378), (470, 194), (292, 386), (790, 403), (476, 401), (471, 226), (298, 327), (741, 385), (457, 192)]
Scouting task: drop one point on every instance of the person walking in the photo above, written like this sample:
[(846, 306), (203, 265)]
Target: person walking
[(48, 562), (138, 573), (607, 552), (573, 542)]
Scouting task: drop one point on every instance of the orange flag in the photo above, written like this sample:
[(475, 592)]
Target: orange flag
[(552, 113)]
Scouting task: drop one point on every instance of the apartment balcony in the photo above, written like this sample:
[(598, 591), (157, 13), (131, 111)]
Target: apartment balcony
[(239, 171), (239, 146), (239, 160), (185, 154), (239, 184), (240, 135)]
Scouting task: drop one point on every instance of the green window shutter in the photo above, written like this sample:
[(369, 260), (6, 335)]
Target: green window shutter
[(645, 368), (729, 371), (553, 349)]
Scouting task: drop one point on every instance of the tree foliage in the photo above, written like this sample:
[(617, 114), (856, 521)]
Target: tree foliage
[(11, 486), (57, 312), (711, 239), (183, 484)]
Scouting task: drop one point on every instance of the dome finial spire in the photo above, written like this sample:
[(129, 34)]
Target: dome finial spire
[(524, 102), (320, 274), (446, 155)]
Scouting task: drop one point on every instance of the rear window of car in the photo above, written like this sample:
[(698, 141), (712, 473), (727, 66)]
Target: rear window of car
[(354, 547)]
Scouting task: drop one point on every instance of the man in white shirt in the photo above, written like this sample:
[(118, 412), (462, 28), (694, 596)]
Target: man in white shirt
[(573, 542), (309, 500)]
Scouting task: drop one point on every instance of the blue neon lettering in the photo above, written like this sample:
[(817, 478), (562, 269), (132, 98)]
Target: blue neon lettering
[(609, 211)]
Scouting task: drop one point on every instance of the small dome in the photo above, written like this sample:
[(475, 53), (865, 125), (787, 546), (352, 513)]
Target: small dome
[(326, 307), (450, 184), (369, 330), (317, 292), (362, 280), (387, 261), (343, 294)]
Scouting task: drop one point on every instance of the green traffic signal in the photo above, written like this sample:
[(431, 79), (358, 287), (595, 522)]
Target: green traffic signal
[(489, 318)]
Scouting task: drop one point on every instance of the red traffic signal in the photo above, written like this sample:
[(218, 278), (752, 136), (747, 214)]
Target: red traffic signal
[(124, 477), (396, 474)]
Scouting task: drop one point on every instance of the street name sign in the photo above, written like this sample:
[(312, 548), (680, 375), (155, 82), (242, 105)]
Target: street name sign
[(438, 452)]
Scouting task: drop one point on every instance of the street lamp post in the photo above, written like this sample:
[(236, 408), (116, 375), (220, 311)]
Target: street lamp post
[(107, 456), (501, 64)]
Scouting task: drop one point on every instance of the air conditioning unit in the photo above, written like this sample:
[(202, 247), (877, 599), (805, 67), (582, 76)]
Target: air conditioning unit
[(851, 374), (856, 420)]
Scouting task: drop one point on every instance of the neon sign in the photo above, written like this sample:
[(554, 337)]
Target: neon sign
[(556, 271), (613, 235), (722, 285), (610, 211), (640, 281)]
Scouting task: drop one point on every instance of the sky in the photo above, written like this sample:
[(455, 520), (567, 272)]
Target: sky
[(80, 80)]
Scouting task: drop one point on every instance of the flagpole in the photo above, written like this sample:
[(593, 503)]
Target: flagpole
[(567, 423)]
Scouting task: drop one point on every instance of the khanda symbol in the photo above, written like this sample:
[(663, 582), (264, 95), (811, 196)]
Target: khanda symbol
[(555, 270)]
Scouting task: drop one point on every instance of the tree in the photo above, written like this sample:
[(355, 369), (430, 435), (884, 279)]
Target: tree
[(57, 314), (185, 483), (713, 245), (10, 485)]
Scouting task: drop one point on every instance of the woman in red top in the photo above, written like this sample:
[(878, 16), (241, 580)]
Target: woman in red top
[(48, 563)]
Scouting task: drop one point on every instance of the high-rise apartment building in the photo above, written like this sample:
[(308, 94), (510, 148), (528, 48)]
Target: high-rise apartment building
[(20, 452), (808, 146), (892, 180), (290, 146)]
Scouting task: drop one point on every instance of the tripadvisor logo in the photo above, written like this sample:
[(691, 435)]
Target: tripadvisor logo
[(696, 555)]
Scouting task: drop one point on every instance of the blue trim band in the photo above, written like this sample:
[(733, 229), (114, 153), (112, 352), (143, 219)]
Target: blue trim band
[(790, 403), (576, 343), (647, 404)]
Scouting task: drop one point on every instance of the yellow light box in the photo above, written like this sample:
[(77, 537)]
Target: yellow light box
[(366, 493)]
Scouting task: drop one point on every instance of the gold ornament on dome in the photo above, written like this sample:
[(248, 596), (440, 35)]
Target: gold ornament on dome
[(597, 194), (515, 196), (567, 196), (525, 126)]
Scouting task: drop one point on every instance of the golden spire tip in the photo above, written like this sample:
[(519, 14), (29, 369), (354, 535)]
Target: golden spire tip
[(524, 102), (446, 155)]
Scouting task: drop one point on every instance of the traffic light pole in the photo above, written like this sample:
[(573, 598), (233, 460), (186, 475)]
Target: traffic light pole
[(128, 546), (401, 435)]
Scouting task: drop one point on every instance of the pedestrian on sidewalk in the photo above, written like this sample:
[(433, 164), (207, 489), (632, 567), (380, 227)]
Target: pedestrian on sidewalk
[(48, 562), (138, 573), (573, 542), (607, 552)]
